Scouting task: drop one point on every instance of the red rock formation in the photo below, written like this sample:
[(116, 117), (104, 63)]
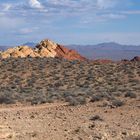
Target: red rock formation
[(56, 50), (45, 48), (68, 54)]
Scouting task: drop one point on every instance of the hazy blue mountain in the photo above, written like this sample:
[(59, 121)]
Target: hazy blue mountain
[(2, 47), (109, 50), (31, 44)]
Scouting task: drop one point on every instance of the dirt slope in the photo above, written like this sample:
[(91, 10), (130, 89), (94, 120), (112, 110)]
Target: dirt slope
[(59, 121)]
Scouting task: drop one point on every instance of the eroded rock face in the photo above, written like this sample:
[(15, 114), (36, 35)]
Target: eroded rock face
[(45, 48), (20, 51), (51, 49), (68, 54)]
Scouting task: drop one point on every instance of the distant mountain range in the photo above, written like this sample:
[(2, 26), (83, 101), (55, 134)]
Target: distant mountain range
[(2, 47), (110, 50), (30, 44)]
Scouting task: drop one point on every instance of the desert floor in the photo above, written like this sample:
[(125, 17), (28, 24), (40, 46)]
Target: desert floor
[(58, 121)]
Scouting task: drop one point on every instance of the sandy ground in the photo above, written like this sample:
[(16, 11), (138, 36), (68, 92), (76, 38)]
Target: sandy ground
[(58, 121)]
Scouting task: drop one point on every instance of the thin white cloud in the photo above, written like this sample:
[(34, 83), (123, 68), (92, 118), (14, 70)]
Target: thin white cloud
[(57, 15), (14, 23), (7, 6), (2, 14), (104, 4), (113, 16), (94, 38), (131, 12), (25, 31), (35, 4), (64, 8)]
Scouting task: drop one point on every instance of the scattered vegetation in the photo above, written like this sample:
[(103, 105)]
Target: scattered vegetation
[(6, 98), (131, 95), (96, 118), (117, 103), (42, 80)]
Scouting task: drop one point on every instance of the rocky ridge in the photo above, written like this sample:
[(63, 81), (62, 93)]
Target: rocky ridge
[(46, 48)]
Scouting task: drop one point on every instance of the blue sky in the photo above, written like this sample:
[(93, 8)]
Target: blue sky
[(70, 21)]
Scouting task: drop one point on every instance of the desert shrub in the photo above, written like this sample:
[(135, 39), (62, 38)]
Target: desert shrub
[(34, 101), (136, 88), (81, 100), (95, 98), (66, 95), (38, 100), (96, 117), (49, 100), (118, 94), (130, 94), (51, 97), (104, 104), (6, 99), (37, 97), (43, 75), (133, 138), (134, 81), (117, 103), (74, 101), (110, 97)]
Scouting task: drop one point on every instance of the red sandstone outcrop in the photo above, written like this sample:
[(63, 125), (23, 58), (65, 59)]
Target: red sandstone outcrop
[(51, 49)]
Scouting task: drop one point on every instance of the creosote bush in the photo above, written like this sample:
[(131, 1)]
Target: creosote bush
[(95, 98), (96, 118), (5, 98), (131, 95), (117, 103), (74, 101)]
